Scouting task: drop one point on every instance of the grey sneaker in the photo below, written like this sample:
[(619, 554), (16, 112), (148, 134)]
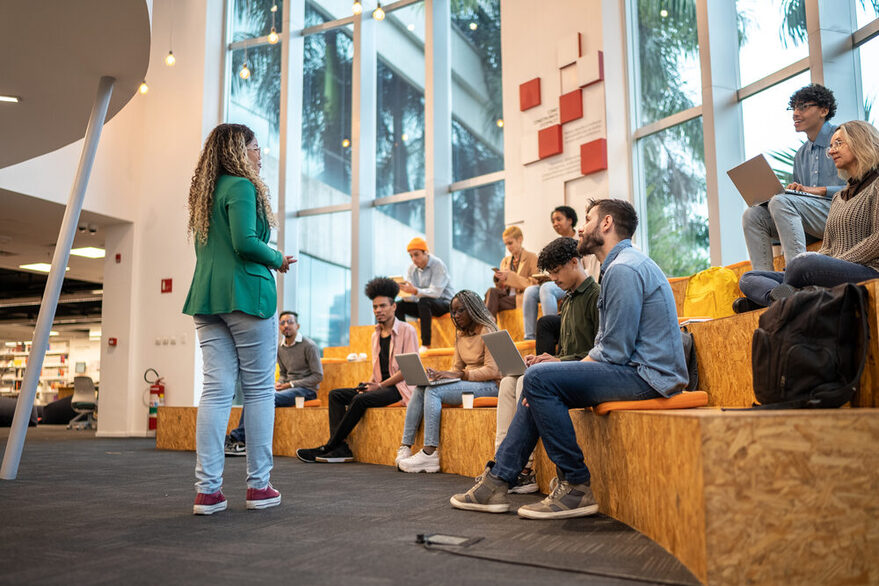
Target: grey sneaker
[(564, 502), (525, 483), (489, 495)]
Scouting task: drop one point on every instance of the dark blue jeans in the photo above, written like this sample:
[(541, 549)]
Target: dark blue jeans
[(806, 269), (551, 388), (285, 398)]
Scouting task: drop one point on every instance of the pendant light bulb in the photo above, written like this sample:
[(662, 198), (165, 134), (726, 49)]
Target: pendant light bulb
[(144, 88), (378, 13), (245, 71), (170, 59), (273, 37), (357, 7)]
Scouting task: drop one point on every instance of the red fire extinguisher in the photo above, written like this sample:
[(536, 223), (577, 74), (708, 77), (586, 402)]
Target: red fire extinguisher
[(157, 397)]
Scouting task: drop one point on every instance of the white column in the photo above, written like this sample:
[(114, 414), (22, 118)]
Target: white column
[(363, 137), (833, 64), (438, 127), (721, 127)]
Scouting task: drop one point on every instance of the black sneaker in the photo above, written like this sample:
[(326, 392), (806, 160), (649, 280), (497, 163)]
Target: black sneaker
[(744, 305), (234, 448), (525, 483), (309, 454), (336, 456)]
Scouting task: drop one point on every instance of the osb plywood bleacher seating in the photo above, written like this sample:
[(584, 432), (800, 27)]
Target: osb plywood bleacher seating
[(738, 496)]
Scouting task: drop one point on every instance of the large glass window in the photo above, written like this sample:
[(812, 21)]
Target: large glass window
[(400, 107), (867, 11), (255, 100), (477, 104), (668, 59), (868, 54), (772, 35), (326, 115), (324, 277), (769, 127), (254, 18), (395, 225), (477, 235), (677, 210)]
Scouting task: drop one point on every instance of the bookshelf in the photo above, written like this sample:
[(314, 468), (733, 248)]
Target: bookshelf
[(56, 369)]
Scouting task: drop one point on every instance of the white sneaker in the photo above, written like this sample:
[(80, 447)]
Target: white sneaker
[(420, 462), (403, 452)]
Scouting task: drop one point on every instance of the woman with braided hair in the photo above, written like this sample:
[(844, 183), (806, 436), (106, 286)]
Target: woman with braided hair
[(472, 363), (233, 301)]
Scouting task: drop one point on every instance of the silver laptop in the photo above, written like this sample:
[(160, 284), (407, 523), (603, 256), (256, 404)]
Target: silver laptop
[(757, 182), (414, 373), (504, 352)]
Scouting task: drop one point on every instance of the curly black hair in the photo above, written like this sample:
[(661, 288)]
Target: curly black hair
[(557, 253), (568, 212), (816, 94), (381, 287)]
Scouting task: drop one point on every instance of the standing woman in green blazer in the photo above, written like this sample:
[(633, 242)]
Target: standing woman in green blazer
[(233, 301)]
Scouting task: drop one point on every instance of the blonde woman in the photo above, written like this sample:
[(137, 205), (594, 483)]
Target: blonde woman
[(513, 276), (233, 301), (850, 251)]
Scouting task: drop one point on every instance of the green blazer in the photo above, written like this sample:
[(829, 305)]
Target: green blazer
[(232, 268)]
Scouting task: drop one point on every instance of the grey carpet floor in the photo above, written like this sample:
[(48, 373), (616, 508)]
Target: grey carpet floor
[(117, 511)]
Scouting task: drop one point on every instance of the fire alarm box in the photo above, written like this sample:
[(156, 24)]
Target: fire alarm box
[(166, 285)]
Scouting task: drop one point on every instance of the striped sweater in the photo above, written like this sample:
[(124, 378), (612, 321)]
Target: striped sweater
[(852, 231)]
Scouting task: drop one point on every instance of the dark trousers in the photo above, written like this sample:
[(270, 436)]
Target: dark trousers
[(424, 309), (498, 299), (342, 421), (549, 330)]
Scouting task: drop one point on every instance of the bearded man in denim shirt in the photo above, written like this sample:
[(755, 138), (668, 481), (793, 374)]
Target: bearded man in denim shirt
[(633, 359)]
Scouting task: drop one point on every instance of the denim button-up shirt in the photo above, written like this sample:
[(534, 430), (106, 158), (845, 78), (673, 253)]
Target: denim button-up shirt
[(637, 320), (813, 167), (431, 281)]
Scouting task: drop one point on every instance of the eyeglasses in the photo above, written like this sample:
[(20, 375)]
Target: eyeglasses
[(284, 322), (834, 146), (801, 107), (257, 149)]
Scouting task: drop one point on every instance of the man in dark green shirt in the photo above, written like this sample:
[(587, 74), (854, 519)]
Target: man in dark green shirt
[(579, 324)]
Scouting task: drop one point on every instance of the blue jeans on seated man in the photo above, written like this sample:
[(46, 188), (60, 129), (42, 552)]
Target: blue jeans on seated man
[(285, 398), (809, 268), (235, 345), (548, 295), (429, 404), (551, 388)]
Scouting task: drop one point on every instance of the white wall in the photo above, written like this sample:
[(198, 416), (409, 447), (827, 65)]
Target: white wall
[(529, 41), (141, 175)]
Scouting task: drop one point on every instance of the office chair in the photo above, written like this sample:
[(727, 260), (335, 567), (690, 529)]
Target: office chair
[(84, 402)]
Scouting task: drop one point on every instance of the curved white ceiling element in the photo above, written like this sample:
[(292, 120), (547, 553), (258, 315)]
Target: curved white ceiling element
[(54, 54)]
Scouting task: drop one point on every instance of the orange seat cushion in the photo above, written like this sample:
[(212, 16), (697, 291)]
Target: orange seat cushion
[(313, 403), (331, 360), (684, 400), (397, 404), (526, 345)]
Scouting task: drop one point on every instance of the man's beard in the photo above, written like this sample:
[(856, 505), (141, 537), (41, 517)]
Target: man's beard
[(590, 243)]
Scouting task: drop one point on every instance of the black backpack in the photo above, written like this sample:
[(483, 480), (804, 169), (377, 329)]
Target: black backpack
[(811, 347)]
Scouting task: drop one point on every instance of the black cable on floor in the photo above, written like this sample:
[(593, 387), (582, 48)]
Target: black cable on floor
[(620, 576)]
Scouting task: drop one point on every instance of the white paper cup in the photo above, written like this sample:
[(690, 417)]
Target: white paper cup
[(467, 400), (300, 402)]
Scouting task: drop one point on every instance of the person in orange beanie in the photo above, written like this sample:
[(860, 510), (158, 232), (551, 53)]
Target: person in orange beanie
[(427, 290)]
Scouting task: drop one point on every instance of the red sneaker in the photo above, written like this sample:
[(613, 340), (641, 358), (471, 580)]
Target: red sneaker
[(263, 498), (208, 504)]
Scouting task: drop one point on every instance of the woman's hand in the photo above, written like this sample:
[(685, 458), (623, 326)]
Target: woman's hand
[(285, 264), (435, 374)]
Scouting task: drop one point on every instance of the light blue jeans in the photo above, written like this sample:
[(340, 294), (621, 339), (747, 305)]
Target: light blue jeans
[(235, 345), (548, 295), (429, 403), (786, 217)]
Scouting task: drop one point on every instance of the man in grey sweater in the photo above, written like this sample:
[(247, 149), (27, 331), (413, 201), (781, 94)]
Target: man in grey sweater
[(301, 372)]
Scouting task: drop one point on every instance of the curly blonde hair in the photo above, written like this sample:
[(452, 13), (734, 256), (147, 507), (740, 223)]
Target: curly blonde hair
[(224, 153)]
